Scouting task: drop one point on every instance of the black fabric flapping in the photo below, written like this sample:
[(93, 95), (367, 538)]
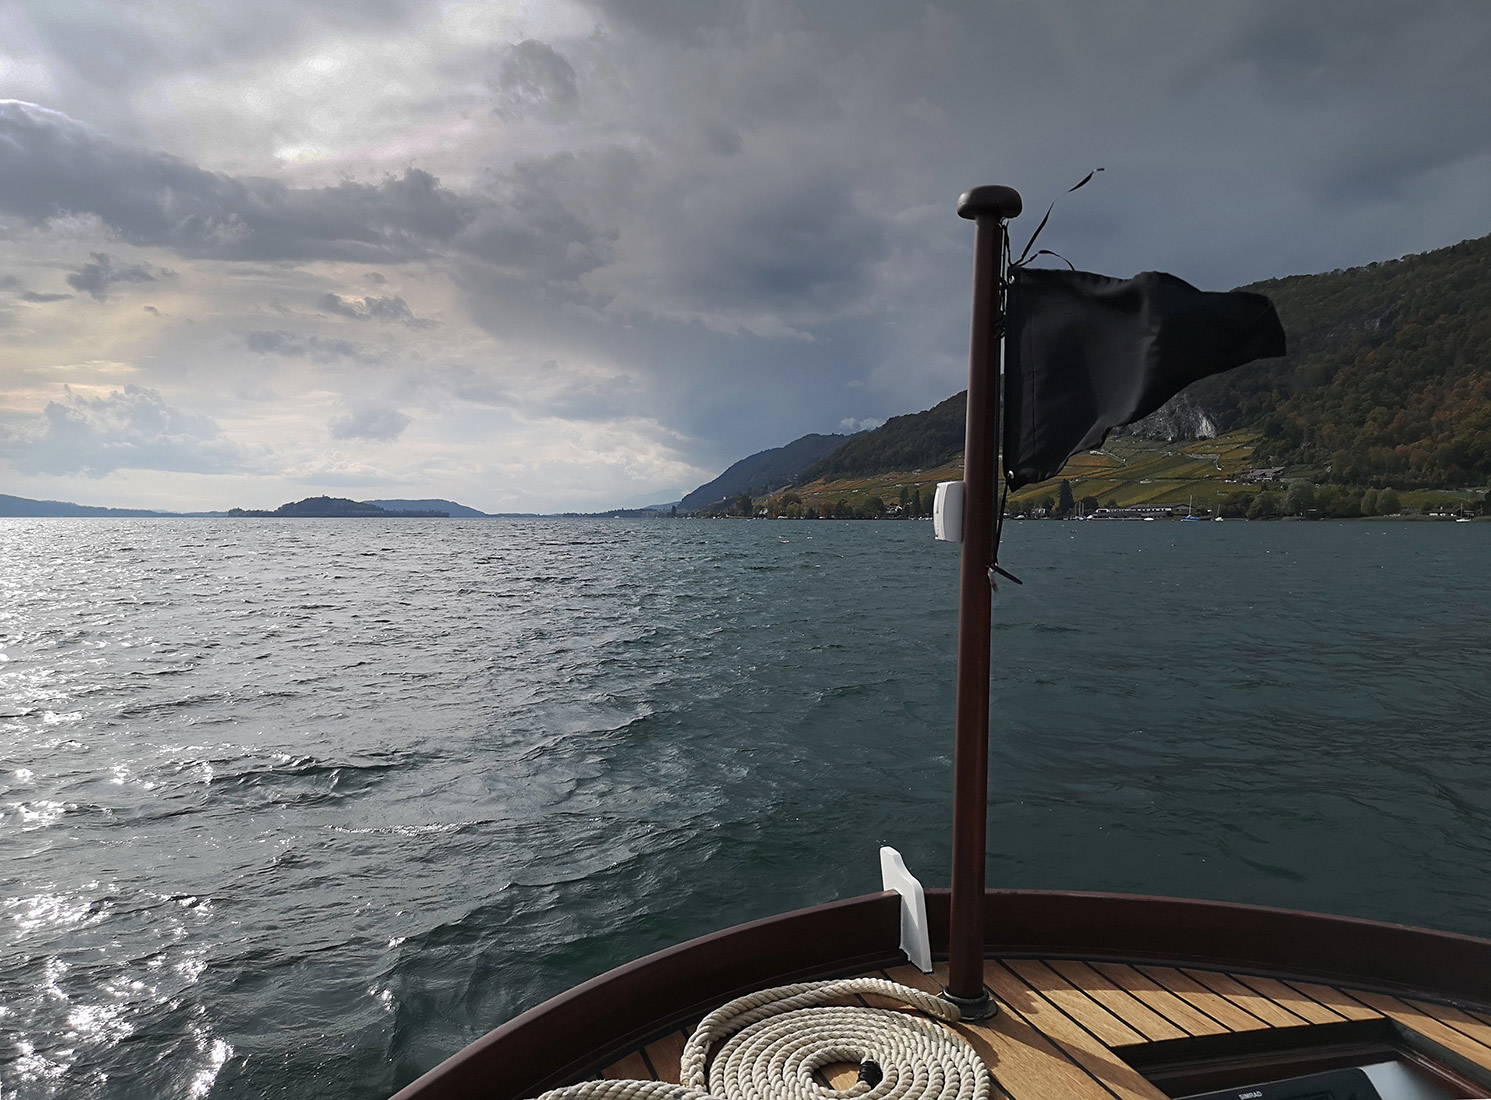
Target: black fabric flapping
[(1086, 353)]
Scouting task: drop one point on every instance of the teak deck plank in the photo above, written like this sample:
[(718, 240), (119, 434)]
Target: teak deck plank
[(1160, 999), (1079, 1044), (1460, 1020), (1215, 1005), (1023, 1062), (1117, 1000), (666, 1056), (1076, 1004), (1247, 999), (1427, 1026), (1335, 1000), (631, 1068), (1296, 1002)]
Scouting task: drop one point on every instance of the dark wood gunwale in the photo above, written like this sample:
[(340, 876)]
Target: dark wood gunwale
[(579, 1030)]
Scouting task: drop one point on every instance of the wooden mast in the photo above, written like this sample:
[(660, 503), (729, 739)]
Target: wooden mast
[(988, 208)]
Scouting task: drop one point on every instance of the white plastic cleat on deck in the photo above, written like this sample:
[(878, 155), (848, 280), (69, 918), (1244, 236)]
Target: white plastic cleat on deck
[(914, 939)]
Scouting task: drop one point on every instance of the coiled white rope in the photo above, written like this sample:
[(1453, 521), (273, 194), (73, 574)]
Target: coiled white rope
[(777, 1038)]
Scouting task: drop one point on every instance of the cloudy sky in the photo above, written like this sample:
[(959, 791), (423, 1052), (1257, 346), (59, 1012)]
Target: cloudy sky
[(573, 254)]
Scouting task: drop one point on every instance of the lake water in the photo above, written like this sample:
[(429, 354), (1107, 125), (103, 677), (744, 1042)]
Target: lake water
[(299, 807)]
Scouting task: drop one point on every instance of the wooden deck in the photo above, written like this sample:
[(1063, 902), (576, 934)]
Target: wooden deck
[(1061, 1019)]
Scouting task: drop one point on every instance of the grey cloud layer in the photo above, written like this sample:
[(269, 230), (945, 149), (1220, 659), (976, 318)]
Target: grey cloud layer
[(54, 165), (132, 428), (376, 422), (694, 207)]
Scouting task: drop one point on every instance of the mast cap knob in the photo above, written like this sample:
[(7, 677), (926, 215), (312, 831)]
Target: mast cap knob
[(1002, 202)]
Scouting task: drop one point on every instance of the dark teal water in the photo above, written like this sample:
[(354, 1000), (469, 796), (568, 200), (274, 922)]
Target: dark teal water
[(295, 808)]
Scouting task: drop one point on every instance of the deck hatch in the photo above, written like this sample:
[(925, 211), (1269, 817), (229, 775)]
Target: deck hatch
[(1309, 1062)]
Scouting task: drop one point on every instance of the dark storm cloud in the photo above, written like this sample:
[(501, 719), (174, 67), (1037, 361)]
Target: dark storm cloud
[(1384, 138), (100, 273), (530, 225), (53, 165), (318, 349), (33, 296), (773, 245)]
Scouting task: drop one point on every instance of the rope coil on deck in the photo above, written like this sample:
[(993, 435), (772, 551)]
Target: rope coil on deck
[(775, 1039)]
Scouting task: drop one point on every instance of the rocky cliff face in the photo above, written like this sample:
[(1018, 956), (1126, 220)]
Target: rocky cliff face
[(1179, 418)]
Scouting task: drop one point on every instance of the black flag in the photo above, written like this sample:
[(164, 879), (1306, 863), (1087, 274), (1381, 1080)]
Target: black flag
[(1085, 353)]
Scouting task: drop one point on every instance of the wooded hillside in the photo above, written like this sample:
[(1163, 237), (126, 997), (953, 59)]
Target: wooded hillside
[(1388, 377), (916, 441)]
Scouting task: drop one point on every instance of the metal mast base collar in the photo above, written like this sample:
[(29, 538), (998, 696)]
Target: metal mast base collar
[(982, 1007)]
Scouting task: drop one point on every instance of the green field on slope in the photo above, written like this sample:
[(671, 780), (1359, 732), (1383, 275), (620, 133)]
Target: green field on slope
[(1127, 472)]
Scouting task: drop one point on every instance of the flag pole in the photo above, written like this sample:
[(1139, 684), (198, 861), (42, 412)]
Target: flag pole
[(988, 208)]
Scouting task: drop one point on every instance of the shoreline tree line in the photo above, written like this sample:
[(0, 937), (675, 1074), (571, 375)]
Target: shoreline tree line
[(1299, 500)]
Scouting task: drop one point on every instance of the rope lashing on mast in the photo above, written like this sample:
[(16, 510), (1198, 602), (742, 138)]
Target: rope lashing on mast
[(775, 1039)]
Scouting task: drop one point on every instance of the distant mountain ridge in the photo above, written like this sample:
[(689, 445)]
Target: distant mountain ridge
[(449, 507), (324, 507), (24, 506), (14, 506), (764, 471)]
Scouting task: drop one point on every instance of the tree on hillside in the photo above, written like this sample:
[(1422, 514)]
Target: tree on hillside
[(1065, 504), (1235, 505), (1265, 506), (1300, 499), (1371, 501), (743, 504), (1388, 503), (875, 506)]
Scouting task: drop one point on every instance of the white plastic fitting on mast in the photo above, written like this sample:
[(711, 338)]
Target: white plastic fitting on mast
[(947, 512)]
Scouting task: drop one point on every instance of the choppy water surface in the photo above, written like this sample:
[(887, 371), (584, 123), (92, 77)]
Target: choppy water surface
[(299, 807)]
